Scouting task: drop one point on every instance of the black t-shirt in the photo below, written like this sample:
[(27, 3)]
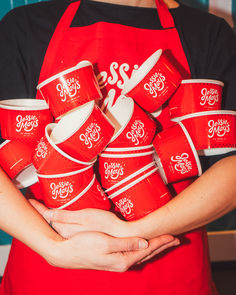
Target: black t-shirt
[(208, 41)]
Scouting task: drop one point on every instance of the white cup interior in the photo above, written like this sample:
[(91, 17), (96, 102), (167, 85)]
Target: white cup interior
[(24, 104), (82, 64), (128, 149), (26, 177), (207, 81), (121, 113), (71, 122), (201, 114), (142, 71)]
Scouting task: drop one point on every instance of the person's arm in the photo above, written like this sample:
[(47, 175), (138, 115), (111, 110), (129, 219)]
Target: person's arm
[(90, 250), (208, 198)]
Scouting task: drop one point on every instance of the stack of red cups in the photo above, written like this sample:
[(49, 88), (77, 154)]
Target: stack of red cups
[(22, 124), (65, 155)]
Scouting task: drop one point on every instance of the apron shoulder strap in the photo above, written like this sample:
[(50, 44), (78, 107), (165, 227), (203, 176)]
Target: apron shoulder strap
[(165, 16)]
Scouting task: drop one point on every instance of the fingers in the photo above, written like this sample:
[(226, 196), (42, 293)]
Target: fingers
[(66, 230), (126, 244), (173, 243)]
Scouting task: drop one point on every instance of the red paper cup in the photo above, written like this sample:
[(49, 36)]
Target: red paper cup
[(154, 82), (61, 188), (196, 95), (50, 159), (70, 89), (83, 133), (24, 119), (212, 132), (176, 157), (142, 196), (115, 167), (91, 197), (135, 129), (16, 161)]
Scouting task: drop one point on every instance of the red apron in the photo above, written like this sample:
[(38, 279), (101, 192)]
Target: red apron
[(116, 51)]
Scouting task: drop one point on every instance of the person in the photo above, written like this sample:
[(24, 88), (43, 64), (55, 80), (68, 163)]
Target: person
[(40, 40)]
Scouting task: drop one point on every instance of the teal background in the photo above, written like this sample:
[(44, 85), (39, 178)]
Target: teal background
[(228, 222)]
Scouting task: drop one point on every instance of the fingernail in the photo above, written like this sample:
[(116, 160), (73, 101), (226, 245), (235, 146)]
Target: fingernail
[(48, 214), (176, 242), (142, 244)]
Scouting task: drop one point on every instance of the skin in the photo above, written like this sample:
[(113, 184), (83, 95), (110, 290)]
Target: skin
[(202, 202)]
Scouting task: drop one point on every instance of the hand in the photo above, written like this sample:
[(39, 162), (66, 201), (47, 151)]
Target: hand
[(68, 223), (93, 250)]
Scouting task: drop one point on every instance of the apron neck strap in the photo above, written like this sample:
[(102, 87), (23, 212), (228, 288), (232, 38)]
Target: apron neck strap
[(164, 14)]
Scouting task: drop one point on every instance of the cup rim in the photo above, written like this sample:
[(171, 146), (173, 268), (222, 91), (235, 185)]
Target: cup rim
[(84, 191), (64, 174), (209, 81), (142, 71), (24, 104), (5, 142), (118, 133), (126, 149), (216, 151), (130, 176), (119, 156), (132, 184), (91, 109), (61, 152), (82, 64), (199, 167), (201, 114)]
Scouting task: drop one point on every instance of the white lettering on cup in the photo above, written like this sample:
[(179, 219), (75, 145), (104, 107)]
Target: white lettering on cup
[(218, 128), (125, 206), (61, 190), (101, 192), (114, 170), (27, 123), (210, 96), (91, 134), (69, 87), (41, 150), (137, 132), (182, 164), (155, 84)]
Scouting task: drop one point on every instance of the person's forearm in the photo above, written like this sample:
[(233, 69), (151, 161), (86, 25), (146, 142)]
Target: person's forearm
[(208, 198), (19, 219)]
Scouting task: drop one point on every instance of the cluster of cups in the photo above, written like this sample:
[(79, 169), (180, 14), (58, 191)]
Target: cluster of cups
[(139, 167)]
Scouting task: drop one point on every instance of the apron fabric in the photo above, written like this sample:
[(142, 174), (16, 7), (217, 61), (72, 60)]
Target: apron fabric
[(116, 51)]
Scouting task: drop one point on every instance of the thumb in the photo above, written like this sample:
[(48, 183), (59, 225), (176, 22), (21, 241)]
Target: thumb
[(127, 244)]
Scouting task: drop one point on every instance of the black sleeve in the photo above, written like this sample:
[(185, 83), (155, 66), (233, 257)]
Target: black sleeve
[(13, 61), (210, 47)]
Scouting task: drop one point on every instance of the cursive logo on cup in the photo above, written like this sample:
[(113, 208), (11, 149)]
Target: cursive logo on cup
[(61, 190), (218, 128), (41, 149), (114, 170), (101, 192), (92, 134), (209, 97), (137, 132), (156, 84), (68, 87), (27, 123), (182, 164), (125, 206)]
